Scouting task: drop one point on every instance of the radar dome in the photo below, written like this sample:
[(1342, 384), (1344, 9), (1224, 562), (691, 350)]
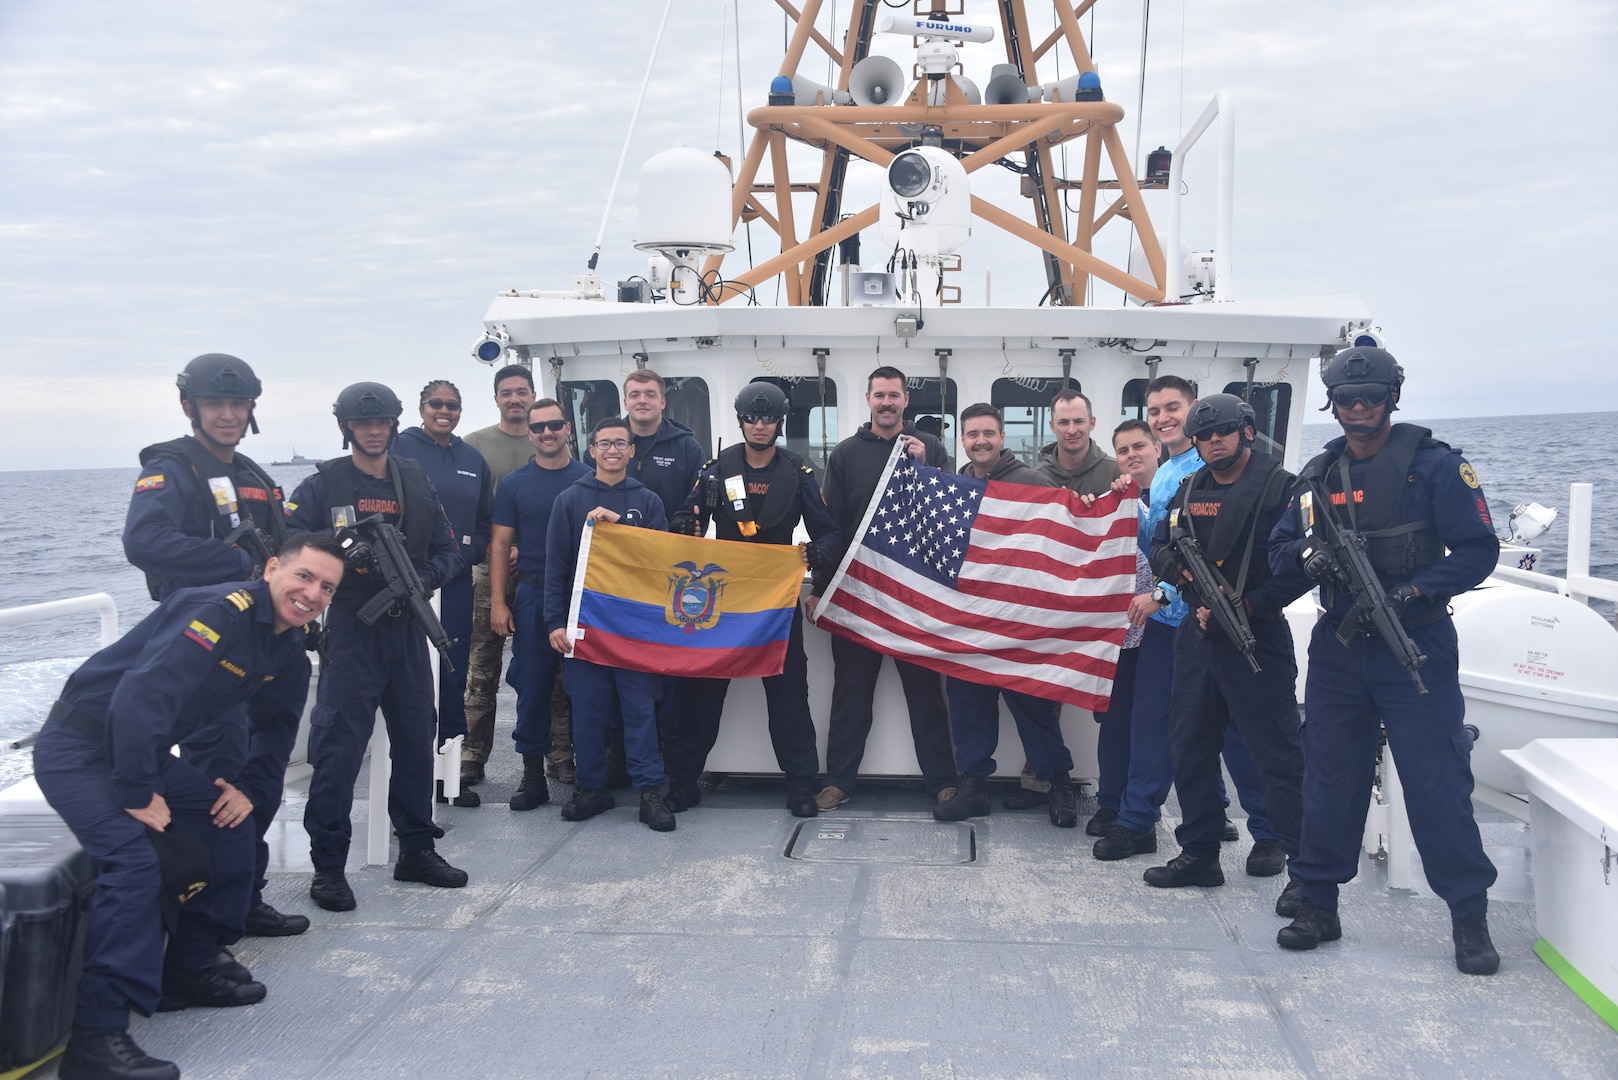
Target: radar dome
[(684, 205)]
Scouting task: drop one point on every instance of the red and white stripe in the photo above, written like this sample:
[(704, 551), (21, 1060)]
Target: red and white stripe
[(1041, 601)]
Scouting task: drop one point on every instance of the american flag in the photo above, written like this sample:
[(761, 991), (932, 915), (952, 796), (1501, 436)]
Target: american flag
[(1006, 585)]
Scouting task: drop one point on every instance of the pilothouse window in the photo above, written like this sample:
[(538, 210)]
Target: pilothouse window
[(1272, 406), (586, 401), (686, 401)]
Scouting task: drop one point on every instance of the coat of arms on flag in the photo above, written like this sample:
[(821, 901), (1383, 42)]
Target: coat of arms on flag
[(682, 605), (1008, 585)]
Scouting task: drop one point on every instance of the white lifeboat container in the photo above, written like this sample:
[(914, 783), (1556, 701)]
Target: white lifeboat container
[(1534, 665)]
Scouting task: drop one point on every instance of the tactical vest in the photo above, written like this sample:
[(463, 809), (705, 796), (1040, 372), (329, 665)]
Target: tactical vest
[(410, 488), (1228, 516), (778, 514), (261, 502), (1395, 546)]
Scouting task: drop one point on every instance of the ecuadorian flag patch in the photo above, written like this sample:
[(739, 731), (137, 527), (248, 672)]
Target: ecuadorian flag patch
[(150, 483), (202, 634)]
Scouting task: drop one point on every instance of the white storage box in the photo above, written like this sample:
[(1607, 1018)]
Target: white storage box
[(1573, 794)]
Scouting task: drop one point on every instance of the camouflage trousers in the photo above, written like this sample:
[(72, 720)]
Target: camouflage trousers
[(483, 683)]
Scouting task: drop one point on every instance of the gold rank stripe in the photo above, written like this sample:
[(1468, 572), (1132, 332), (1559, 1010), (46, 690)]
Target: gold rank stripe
[(241, 598)]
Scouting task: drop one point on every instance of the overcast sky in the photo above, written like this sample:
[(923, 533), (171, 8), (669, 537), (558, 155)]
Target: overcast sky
[(334, 191)]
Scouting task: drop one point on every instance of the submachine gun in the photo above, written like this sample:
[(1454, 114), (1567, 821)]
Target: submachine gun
[(1335, 554), (253, 540), (401, 585), (1206, 583)]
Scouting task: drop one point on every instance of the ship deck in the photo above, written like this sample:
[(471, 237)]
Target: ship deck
[(870, 943)]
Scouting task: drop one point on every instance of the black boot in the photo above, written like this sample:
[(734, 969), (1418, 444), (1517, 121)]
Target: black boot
[(1291, 898), (801, 799), (264, 921), (587, 803), (1474, 951), (1183, 870), (654, 813), (1310, 926), (533, 791), (467, 797), (1101, 822), (1267, 859), (429, 868), (225, 962), (330, 890), (970, 800), (1064, 805), (207, 987), (112, 1057), (1122, 842), (682, 796)]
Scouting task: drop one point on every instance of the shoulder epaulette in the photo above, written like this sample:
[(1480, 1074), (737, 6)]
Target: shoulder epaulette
[(806, 470), (241, 598), (709, 463)]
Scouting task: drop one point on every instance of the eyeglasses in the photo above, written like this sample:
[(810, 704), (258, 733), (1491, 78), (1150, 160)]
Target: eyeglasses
[(611, 444), (1368, 394), (440, 403), (757, 418), (1221, 430), (547, 425)]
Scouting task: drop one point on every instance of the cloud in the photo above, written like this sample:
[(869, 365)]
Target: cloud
[(336, 191)]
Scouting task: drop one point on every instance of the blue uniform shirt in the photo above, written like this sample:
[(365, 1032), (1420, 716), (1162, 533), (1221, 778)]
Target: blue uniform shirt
[(524, 503), (307, 511), (634, 503), (465, 489), (1164, 485), (180, 669), (1441, 487)]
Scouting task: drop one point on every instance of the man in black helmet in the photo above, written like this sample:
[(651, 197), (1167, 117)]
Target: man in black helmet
[(1428, 536), (755, 492), (383, 664), (194, 499), (1229, 507)]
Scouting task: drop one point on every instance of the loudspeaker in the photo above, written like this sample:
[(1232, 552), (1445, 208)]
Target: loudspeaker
[(808, 92), (877, 80), (1005, 87)]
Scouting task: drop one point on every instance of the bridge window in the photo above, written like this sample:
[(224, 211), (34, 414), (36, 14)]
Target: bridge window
[(1025, 405)]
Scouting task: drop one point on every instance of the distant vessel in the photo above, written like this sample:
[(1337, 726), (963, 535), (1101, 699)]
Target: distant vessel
[(297, 459)]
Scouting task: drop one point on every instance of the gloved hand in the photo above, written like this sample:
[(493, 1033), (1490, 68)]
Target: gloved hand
[(1403, 596), (1316, 560), (687, 523)]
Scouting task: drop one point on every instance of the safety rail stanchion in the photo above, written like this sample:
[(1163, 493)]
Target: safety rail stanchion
[(99, 603)]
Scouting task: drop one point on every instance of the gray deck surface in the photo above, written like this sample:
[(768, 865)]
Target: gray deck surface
[(602, 949)]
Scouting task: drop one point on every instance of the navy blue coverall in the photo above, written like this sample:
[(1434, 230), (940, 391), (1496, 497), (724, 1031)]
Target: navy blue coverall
[(384, 665), (181, 671), (169, 534), (465, 487), (1214, 686), (1352, 690), (796, 497)]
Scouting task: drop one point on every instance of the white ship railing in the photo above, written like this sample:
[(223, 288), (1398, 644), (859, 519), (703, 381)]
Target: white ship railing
[(100, 603)]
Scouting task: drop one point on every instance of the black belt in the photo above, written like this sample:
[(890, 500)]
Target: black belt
[(530, 579), (66, 714)]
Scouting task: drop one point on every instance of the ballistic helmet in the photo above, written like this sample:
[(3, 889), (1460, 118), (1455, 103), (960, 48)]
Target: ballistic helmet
[(1216, 410), (366, 401), (219, 375), (762, 399), (1363, 364)]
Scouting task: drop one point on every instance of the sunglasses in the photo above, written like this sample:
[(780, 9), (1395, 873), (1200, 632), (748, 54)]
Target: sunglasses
[(611, 444), (757, 418), (1222, 430), (1369, 394), (547, 425), (440, 403)]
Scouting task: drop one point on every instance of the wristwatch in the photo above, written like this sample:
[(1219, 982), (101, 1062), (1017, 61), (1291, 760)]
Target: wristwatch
[(1161, 595)]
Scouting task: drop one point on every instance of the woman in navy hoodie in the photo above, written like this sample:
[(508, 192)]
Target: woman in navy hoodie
[(461, 477)]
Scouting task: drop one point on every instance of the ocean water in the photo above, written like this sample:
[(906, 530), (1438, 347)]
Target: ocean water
[(61, 536)]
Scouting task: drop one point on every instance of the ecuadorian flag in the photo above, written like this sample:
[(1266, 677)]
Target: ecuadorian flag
[(681, 605)]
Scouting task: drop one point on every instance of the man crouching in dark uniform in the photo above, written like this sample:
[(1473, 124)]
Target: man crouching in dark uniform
[(103, 763), (383, 664), (756, 492)]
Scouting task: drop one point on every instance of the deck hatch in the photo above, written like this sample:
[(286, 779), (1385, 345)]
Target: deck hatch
[(902, 841)]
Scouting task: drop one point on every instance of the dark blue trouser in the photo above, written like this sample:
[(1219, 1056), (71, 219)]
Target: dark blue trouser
[(974, 718), (590, 686), (853, 690), (532, 671), (1249, 784), (1215, 688), (220, 752), (701, 702), (384, 666), (1112, 743), (1151, 765), (1349, 691), (455, 613), (124, 944)]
